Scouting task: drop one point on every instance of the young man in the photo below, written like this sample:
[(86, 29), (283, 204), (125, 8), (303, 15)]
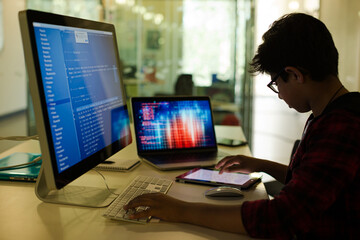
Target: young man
[(321, 197)]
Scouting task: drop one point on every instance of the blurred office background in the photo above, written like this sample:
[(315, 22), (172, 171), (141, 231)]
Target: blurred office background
[(198, 47)]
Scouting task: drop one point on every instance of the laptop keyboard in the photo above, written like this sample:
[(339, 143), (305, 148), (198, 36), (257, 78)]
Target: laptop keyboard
[(140, 185), (189, 157)]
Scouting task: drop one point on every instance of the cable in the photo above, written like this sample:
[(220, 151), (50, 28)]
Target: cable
[(37, 159), (21, 138), (107, 186)]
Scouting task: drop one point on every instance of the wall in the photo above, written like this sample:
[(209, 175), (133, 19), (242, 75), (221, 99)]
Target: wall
[(12, 66), (342, 17)]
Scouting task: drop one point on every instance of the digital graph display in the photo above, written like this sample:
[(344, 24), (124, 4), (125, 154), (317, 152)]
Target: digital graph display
[(163, 125)]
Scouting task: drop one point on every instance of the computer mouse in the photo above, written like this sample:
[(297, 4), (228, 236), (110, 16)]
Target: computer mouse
[(224, 191)]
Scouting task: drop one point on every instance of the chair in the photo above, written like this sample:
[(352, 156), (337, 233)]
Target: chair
[(230, 120), (184, 85)]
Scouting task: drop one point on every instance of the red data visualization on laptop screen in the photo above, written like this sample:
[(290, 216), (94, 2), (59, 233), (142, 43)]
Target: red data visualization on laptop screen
[(173, 124)]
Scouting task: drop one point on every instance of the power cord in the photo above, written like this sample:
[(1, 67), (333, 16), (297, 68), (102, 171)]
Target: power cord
[(37, 159), (107, 186), (21, 138)]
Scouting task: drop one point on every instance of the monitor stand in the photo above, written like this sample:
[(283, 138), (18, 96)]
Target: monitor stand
[(73, 195)]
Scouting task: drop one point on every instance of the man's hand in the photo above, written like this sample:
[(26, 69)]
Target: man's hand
[(224, 218), (239, 163), (159, 205)]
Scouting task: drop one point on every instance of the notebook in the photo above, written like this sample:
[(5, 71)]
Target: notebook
[(24, 173), (175, 132), (118, 165)]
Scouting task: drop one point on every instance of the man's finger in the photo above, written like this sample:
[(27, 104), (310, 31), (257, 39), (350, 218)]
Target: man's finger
[(141, 200), (141, 214), (228, 164), (222, 162)]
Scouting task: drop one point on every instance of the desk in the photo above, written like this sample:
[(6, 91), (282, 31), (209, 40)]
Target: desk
[(24, 216)]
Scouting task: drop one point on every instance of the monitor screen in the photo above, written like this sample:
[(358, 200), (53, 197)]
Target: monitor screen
[(82, 91), (173, 123), (77, 90)]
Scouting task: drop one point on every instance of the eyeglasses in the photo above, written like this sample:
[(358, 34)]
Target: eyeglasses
[(273, 84)]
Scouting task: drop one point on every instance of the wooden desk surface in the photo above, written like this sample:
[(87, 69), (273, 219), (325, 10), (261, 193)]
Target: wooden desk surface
[(24, 216)]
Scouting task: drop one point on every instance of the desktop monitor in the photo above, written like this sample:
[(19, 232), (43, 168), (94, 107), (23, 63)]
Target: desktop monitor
[(79, 101)]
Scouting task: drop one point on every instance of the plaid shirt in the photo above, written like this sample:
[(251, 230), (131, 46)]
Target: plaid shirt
[(321, 198)]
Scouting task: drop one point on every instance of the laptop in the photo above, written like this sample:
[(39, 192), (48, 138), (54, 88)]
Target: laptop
[(175, 132)]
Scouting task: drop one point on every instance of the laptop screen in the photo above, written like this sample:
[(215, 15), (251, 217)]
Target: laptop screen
[(170, 123)]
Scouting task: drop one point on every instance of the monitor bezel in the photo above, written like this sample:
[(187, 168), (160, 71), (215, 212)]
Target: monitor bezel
[(56, 180)]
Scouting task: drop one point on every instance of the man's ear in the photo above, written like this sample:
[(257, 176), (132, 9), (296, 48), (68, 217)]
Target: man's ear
[(296, 73)]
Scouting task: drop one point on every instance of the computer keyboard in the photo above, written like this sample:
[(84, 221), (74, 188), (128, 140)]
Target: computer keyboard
[(140, 185)]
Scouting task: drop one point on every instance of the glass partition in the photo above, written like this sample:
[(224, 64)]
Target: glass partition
[(191, 47)]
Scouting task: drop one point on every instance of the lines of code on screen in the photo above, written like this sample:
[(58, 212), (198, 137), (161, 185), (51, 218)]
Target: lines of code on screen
[(174, 125), (83, 91)]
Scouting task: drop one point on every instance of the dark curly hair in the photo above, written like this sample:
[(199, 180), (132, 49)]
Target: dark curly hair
[(297, 40)]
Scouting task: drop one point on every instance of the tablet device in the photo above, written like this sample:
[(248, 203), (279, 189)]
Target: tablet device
[(213, 178)]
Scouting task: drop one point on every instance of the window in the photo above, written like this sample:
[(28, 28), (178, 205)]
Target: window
[(209, 24), (160, 40)]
